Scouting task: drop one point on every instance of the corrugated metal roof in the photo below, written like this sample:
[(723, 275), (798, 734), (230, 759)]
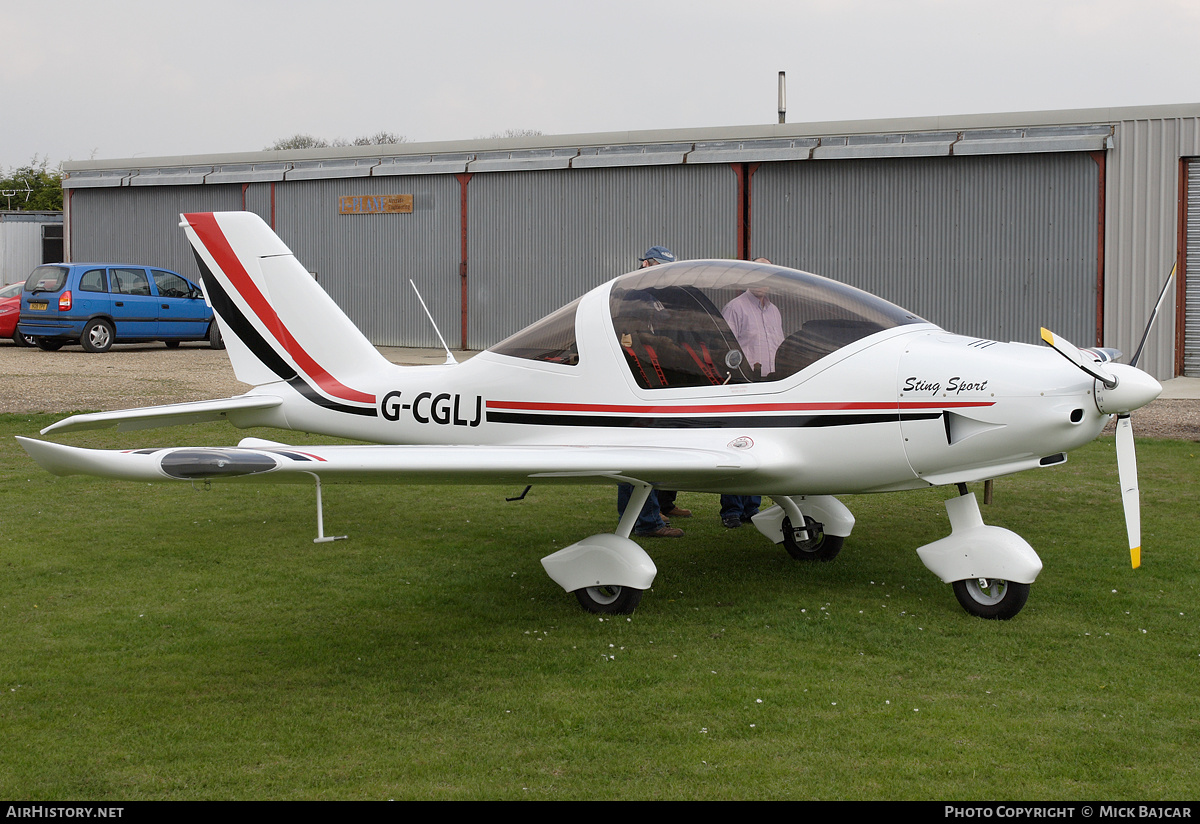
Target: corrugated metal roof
[(1015, 132)]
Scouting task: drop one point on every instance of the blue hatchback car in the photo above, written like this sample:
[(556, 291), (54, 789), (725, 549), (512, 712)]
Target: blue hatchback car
[(99, 304)]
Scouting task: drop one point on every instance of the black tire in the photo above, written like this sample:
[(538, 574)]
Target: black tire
[(215, 341), (991, 598), (172, 344), (48, 344), (609, 600), (818, 547), (22, 340), (97, 336)]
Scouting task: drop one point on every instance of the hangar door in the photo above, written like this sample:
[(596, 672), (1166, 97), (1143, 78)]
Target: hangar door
[(1191, 272), (994, 246)]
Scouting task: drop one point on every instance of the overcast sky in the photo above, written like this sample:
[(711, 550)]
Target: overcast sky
[(147, 78)]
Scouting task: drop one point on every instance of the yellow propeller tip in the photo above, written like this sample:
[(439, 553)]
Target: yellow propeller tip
[(1047, 336), (1135, 556)]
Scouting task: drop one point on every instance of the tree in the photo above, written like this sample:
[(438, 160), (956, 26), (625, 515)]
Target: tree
[(307, 141), (512, 133), (298, 141), (33, 187), (380, 139)]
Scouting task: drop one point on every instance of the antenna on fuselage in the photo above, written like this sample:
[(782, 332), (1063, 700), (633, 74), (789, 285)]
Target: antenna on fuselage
[(449, 356)]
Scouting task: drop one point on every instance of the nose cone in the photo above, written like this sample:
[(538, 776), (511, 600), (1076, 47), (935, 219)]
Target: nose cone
[(1134, 390)]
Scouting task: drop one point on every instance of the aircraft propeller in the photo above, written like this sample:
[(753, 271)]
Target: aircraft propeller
[(1120, 389)]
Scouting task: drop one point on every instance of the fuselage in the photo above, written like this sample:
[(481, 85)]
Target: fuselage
[(905, 407)]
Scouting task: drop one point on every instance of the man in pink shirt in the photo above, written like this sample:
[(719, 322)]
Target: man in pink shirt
[(758, 327)]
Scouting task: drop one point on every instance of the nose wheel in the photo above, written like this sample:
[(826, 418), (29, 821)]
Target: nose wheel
[(992, 598), (609, 600)]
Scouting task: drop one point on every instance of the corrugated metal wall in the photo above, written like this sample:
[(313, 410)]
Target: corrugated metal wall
[(365, 262), (538, 240), (258, 200), (141, 224), (1142, 233), (993, 246), (21, 245), (1191, 335)]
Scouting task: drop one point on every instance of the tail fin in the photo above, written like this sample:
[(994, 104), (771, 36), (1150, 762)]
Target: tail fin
[(278, 324)]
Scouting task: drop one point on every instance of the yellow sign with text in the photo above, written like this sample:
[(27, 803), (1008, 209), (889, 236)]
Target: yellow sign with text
[(375, 205)]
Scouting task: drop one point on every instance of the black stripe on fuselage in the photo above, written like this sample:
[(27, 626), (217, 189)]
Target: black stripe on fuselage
[(720, 422), (302, 386), (244, 330)]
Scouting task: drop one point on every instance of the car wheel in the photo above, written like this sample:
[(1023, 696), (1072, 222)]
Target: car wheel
[(215, 341), (172, 344), (97, 336), (48, 344), (22, 340)]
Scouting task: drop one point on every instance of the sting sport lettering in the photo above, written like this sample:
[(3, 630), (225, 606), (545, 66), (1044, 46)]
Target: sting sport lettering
[(443, 408), (954, 386)]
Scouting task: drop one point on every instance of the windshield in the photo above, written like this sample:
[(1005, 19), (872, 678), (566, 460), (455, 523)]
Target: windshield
[(11, 290), (700, 323), (551, 339), (46, 279)]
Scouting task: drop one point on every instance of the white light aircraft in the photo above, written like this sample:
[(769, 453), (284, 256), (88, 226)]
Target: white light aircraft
[(642, 381)]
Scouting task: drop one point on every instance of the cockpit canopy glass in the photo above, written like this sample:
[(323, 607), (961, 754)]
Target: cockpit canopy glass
[(702, 323), (551, 339)]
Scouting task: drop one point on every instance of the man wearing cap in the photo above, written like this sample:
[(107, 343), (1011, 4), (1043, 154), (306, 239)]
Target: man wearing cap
[(650, 523)]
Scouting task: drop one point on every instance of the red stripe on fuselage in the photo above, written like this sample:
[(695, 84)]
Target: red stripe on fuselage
[(214, 240)]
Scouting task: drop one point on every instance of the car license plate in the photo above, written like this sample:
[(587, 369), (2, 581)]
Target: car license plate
[(38, 305)]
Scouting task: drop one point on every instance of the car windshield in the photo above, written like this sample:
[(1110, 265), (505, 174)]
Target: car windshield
[(701, 323), (11, 290), (46, 279)]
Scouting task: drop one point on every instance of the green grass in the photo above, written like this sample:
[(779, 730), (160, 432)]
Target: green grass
[(164, 642)]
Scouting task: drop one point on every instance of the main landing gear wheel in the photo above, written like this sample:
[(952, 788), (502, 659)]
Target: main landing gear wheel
[(609, 600), (97, 336), (818, 547), (992, 598)]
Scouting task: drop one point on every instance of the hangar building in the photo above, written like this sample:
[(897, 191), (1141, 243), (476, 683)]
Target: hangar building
[(990, 225)]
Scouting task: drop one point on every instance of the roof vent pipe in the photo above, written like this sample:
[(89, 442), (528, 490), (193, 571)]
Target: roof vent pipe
[(783, 97)]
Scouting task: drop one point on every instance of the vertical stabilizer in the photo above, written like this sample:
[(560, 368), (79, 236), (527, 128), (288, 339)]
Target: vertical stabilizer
[(277, 322)]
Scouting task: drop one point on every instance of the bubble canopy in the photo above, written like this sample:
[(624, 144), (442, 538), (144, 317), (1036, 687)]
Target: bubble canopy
[(710, 322)]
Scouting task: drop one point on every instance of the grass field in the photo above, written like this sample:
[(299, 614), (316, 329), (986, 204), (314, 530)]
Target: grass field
[(164, 642)]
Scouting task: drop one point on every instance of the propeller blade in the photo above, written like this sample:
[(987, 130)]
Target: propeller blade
[(1153, 315), (1127, 471), (1071, 352)]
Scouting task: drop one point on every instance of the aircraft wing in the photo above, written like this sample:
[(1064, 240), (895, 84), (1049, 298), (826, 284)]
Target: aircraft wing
[(173, 414), (257, 460)]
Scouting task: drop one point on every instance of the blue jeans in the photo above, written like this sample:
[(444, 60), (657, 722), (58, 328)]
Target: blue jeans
[(739, 506), (650, 518)]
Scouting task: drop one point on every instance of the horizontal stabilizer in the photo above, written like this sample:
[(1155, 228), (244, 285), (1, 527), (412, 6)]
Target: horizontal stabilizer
[(173, 414)]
